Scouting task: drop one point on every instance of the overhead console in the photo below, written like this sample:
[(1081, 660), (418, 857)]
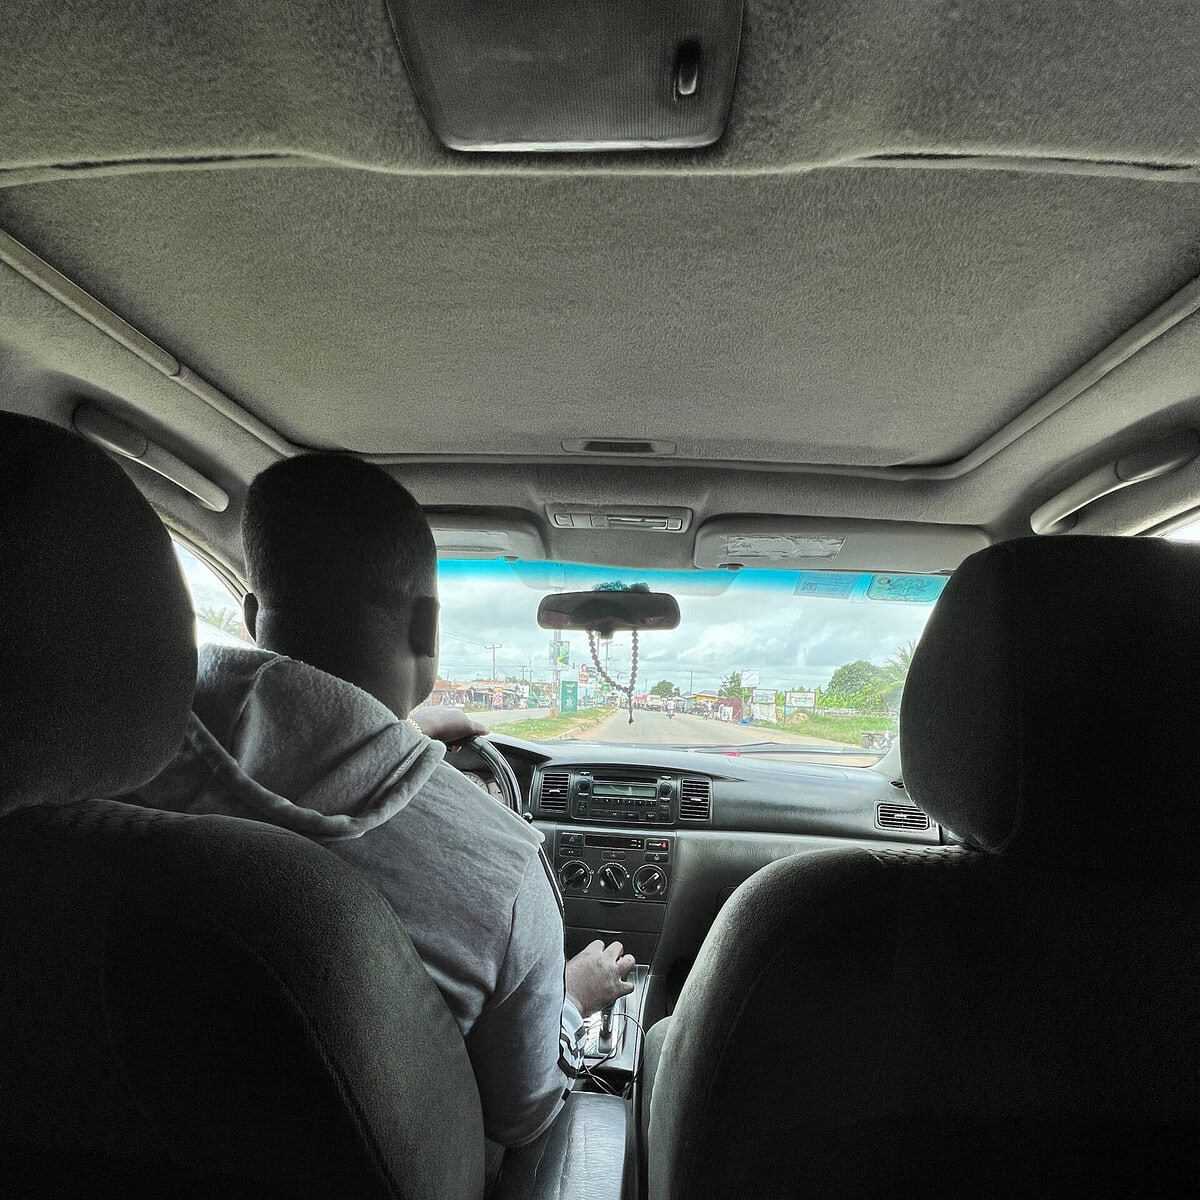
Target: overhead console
[(538, 75)]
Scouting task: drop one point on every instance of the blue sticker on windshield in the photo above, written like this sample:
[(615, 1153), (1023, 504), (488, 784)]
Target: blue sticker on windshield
[(828, 585), (907, 589), (851, 585)]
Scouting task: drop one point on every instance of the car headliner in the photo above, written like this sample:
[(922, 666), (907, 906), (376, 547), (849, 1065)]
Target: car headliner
[(900, 288)]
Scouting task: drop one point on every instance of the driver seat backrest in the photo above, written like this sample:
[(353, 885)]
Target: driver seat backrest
[(189, 1005), (1016, 1015)]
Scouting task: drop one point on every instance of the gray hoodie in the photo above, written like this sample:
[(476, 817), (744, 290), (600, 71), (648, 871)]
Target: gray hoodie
[(275, 740)]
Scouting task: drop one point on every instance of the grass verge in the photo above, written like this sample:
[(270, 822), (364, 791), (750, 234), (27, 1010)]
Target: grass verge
[(543, 729), (848, 730)]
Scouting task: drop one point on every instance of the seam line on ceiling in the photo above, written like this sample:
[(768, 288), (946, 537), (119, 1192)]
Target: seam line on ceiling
[(1176, 308), (701, 164)]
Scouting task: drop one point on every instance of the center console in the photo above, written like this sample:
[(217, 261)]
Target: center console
[(613, 846), (613, 866), (615, 887)]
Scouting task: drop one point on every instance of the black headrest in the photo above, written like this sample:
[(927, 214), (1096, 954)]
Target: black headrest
[(1053, 704), (97, 636)]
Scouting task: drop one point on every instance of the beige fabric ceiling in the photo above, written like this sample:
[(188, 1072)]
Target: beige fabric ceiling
[(925, 214), (842, 316)]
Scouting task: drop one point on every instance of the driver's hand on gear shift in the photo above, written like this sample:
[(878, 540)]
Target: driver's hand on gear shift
[(596, 976), (446, 724)]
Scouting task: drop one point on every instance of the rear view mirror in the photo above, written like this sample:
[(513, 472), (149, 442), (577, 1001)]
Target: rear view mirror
[(608, 612)]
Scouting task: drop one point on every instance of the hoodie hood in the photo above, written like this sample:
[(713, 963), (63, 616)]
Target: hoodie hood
[(276, 740)]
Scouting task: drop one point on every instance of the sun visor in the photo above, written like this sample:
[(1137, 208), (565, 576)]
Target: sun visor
[(486, 534), (818, 544), (543, 75)]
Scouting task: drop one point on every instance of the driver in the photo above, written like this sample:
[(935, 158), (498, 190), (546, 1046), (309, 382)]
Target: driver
[(310, 732)]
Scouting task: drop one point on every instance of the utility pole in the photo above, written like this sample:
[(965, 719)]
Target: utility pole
[(493, 648)]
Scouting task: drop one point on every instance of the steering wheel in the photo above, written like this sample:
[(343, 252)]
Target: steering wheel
[(506, 778)]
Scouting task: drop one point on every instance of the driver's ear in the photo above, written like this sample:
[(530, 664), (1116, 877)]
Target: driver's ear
[(250, 613), (423, 627)]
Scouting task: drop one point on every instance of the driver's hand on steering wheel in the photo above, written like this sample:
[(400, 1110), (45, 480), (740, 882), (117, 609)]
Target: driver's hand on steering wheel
[(445, 724), (596, 976)]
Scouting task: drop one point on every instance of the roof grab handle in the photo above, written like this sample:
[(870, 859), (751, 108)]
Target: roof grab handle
[(106, 430), (1158, 459)]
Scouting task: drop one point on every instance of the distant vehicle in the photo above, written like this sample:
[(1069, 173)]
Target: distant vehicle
[(654, 703)]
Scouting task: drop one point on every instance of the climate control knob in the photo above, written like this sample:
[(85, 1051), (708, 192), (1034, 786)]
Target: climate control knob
[(612, 877), (650, 881), (574, 876)]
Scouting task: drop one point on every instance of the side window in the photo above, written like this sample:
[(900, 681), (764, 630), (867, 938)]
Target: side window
[(218, 613), (1185, 533)]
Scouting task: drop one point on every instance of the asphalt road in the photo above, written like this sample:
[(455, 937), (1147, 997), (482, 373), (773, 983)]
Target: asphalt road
[(683, 729), (494, 718)]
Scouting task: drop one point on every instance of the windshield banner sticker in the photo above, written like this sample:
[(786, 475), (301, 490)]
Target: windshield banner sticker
[(850, 585), (907, 589)]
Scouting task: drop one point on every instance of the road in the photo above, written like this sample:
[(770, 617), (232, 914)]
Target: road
[(494, 718), (685, 730)]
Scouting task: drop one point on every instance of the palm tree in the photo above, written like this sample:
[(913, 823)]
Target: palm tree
[(224, 620), (895, 672)]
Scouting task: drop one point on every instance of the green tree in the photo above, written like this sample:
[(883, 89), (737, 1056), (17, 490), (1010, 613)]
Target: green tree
[(664, 688), (224, 620), (731, 685), (850, 681)]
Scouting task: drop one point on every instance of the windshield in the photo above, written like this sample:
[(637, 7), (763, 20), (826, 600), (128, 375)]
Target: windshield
[(805, 666)]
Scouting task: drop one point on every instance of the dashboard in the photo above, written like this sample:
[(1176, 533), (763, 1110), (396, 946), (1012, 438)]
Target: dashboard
[(647, 843)]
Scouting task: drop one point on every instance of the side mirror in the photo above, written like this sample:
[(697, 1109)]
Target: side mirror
[(606, 613)]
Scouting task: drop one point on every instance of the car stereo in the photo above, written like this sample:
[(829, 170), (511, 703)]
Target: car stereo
[(630, 799)]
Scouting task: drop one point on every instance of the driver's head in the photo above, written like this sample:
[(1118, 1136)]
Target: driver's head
[(343, 575)]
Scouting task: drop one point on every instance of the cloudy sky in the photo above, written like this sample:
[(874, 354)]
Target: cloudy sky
[(758, 623), (751, 621)]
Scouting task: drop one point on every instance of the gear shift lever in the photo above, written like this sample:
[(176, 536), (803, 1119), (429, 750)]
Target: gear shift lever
[(606, 1020)]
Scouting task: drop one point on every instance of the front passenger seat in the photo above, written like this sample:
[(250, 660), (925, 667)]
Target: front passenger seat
[(1018, 1015), (189, 1005)]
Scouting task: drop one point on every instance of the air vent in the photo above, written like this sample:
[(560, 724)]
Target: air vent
[(900, 816), (695, 800), (556, 786)]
